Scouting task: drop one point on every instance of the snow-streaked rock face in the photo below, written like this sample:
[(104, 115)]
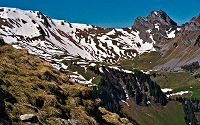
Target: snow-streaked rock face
[(46, 37), (157, 25)]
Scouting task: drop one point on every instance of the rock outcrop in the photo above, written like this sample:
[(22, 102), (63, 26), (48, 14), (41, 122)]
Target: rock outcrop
[(155, 27), (29, 118)]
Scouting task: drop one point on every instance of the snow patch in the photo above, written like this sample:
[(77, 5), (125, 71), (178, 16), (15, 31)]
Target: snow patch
[(171, 34), (156, 13), (92, 64), (165, 90), (180, 93), (125, 102), (157, 26)]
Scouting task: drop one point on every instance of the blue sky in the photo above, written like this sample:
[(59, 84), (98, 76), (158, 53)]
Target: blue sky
[(108, 13)]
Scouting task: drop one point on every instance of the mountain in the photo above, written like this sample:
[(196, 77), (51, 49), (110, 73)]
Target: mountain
[(183, 49), (48, 38), (102, 75), (45, 37), (157, 25)]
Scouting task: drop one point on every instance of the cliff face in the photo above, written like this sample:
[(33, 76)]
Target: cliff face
[(182, 49)]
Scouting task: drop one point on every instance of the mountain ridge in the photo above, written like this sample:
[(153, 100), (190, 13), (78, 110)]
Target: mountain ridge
[(90, 42), (49, 38)]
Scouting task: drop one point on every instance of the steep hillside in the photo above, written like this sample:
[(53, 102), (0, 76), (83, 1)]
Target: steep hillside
[(133, 94), (33, 92)]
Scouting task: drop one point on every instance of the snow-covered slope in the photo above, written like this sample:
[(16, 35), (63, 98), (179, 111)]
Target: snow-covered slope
[(46, 37)]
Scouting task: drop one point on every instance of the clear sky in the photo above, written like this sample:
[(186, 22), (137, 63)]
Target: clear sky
[(108, 13)]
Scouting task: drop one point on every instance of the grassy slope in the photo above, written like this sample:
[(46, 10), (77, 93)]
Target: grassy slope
[(172, 114), (30, 79), (145, 61), (175, 80), (26, 78), (87, 74), (179, 81)]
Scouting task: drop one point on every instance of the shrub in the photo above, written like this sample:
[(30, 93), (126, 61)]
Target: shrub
[(2, 42)]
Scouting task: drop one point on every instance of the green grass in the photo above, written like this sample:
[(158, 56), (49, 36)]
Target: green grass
[(127, 64), (172, 114), (97, 80), (88, 75), (187, 88), (175, 80), (146, 61), (196, 94), (179, 81)]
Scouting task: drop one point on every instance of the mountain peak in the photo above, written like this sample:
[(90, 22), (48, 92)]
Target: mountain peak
[(158, 12), (154, 18), (161, 17)]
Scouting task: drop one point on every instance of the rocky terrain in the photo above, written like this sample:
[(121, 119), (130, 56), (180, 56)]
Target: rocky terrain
[(183, 49)]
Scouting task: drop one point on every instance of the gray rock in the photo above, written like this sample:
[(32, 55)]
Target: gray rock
[(28, 118), (73, 121), (160, 17), (157, 23), (193, 24)]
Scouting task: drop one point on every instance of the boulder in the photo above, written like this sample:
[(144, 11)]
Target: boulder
[(28, 118)]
